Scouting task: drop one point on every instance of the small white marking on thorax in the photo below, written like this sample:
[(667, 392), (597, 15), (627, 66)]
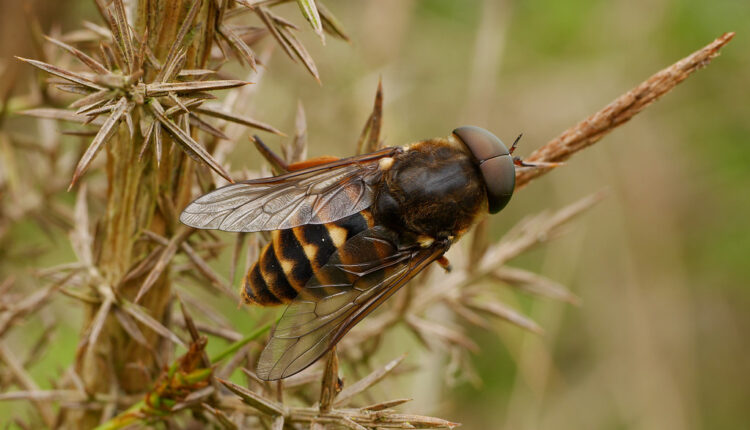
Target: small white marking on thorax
[(386, 163)]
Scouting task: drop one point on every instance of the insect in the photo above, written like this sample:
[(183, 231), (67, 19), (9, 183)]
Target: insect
[(346, 234)]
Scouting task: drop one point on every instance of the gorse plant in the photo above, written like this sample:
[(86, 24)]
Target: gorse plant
[(143, 86)]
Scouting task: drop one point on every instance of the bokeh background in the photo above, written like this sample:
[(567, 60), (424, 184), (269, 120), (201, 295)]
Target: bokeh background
[(662, 338)]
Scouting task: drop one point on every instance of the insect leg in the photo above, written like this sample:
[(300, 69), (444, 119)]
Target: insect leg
[(444, 263), (312, 162)]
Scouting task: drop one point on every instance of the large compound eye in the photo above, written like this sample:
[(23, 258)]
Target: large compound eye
[(495, 163)]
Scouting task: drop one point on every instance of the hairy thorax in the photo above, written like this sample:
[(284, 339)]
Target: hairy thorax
[(432, 190)]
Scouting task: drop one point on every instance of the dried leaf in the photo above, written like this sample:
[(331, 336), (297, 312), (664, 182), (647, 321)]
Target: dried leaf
[(98, 324), (81, 238), (104, 134), (166, 256), (196, 121), (431, 329), (228, 116), (195, 73), (127, 323), (57, 71), (239, 244), (59, 114), (346, 395), (177, 44), (158, 89), (142, 315), (369, 139), (385, 405), (297, 150), (300, 51), (331, 24), (121, 34), (266, 16), (535, 284), (94, 65), (190, 146), (220, 416), (255, 400), (506, 313), (239, 46), (91, 100)]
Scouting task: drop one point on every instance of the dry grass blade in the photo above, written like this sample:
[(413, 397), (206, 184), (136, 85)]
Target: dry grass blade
[(195, 73), (533, 283), (228, 116), (300, 51), (331, 24), (201, 266), (386, 405), (243, 51), (60, 115), (118, 23), (310, 12), (297, 150), (369, 139), (255, 400), (528, 233), (346, 395), (127, 323), (177, 44), (196, 121), (92, 64), (220, 416), (80, 237), (239, 244), (431, 330), (44, 395), (67, 75), (29, 304), (98, 323), (190, 146), (91, 100), (159, 89), (24, 380), (278, 423), (161, 264), (330, 385), (502, 311), (73, 89), (141, 315), (104, 134), (267, 17), (621, 110)]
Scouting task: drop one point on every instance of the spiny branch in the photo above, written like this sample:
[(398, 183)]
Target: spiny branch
[(620, 111)]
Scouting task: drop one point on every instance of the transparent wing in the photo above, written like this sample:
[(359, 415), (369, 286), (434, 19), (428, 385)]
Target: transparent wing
[(363, 273), (316, 195)]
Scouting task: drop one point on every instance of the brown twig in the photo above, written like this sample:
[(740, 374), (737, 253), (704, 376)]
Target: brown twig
[(620, 111)]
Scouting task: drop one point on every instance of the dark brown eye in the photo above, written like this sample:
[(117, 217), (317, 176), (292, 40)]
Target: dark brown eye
[(495, 163)]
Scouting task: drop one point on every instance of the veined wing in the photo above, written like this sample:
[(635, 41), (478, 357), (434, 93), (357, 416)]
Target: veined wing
[(317, 195), (363, 273)]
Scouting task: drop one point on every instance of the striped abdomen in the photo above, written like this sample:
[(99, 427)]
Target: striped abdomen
[(294, 255)]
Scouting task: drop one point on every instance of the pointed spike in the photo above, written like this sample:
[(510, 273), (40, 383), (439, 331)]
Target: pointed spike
[(190, 146), (104, 134), (65, 74), (85, 59)]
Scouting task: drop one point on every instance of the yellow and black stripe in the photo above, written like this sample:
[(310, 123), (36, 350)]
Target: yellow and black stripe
[(295, 255)]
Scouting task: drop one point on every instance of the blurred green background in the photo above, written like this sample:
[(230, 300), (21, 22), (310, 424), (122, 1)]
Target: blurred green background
[(661, 340)]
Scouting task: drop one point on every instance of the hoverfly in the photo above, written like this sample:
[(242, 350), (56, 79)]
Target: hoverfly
[(346, 234)]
